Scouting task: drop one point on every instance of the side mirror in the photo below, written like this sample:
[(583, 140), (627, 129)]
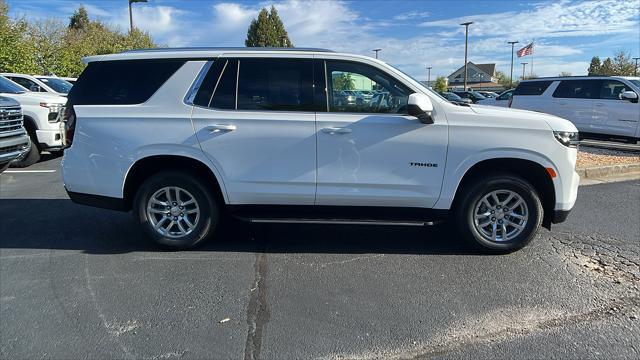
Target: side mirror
[(420, 106), (629, 96)]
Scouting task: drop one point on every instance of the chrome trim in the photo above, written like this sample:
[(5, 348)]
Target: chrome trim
[(226, 62), (326, 83), (342, 222), (195, 86), (237, 80)]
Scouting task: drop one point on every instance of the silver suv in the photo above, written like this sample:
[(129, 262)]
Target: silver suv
[(14, 141)]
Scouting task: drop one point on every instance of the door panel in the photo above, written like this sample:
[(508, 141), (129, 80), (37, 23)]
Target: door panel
[(382, 160), (264, 157), (612, 115), (574, 101)]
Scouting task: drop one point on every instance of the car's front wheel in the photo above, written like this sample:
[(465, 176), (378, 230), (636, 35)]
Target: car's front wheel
[(176, 210), (499, 213)]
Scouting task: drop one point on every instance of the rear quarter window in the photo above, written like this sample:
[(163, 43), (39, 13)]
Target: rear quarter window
[(122, 82), (532, 87)]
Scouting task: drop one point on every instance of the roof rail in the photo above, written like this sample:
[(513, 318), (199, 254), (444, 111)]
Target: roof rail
[(226, 49), (570, 76)]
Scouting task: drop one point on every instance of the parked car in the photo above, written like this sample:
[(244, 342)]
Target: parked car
[(488, 94), (71, 80), (501, 100), (599, 106), (37, 83), (474, 96), (40, 113), (184, 136), (455, 98), (14, 141)]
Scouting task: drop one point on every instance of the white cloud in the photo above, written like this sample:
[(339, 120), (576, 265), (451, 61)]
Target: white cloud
[(410, 15)]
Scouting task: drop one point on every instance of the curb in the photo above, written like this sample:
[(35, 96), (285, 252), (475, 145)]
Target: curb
[(604, 171)]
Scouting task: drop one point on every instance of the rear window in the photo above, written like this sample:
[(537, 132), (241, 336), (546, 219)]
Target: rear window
[(532, 87), (122, 82), (577, 89)]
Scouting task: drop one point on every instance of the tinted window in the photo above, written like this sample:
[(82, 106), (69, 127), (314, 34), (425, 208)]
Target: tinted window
[(58, 85), (532, 87), (612, 90), (203, 97), (355, 87), (28, 84), (121, 82), (224, 95), (505, 95), (577, 89), (276, 84)]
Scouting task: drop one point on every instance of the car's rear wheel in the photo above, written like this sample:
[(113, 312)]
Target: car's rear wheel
[(500, 213), (176, 210)]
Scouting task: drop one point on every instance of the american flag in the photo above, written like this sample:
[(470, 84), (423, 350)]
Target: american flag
[(527, 50)]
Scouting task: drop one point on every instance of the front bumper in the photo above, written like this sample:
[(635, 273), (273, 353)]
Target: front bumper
[(13, 148), (50, 139)]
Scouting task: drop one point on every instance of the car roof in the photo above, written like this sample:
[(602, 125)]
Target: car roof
[(200, 53), (592, 77)]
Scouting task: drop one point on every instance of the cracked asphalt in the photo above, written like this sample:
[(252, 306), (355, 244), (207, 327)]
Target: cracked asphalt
[(79, 282)]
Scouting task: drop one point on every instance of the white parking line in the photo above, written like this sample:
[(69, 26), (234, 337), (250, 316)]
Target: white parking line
[(28, 171)]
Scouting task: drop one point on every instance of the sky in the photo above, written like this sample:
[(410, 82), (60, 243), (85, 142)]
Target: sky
[(412, 34)]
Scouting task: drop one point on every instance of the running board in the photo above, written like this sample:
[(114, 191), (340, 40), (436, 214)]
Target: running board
[(342, 222)]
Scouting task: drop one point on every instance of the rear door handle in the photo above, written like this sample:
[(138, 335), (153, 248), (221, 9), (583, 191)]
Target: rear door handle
[(220, 127), (336, 130)]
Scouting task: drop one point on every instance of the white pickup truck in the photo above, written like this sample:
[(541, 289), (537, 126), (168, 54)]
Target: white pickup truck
[(40, 111)]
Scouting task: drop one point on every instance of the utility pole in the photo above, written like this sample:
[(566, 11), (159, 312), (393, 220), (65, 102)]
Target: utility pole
[(131, 14), (429, 76), (513, 43), (376, 51), (523, 66), (635, 69), (466, 43)]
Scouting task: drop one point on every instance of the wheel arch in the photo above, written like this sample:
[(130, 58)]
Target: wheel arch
[(145, 167), (532, 171)]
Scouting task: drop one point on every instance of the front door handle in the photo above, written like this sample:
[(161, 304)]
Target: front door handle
[(220, 127), (336, 130)]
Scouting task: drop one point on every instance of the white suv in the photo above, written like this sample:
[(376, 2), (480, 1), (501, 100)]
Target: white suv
[(181, 136), (599, 106), (40, 111)]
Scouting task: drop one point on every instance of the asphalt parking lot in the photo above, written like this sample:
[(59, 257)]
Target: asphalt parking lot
[(79, 282)]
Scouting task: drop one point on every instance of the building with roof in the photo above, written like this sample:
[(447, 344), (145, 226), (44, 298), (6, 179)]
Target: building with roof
[(479, 77)]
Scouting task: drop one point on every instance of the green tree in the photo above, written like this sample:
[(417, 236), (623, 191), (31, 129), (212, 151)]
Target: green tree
[(622, 64), (440, 85), (595, 66), (607, 67), (267, 31), (15, 50), (343, 81), (79, 20)]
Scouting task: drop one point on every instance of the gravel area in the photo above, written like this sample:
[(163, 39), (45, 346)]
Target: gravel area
[(590, 157)]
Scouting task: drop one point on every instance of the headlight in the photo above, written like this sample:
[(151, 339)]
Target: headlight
[(53, 107), (567, 138)]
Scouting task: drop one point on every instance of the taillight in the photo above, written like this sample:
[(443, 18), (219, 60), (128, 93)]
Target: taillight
[(69, 123)]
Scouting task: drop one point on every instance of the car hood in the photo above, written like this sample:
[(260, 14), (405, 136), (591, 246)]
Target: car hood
[(37, 97), (554, 122)]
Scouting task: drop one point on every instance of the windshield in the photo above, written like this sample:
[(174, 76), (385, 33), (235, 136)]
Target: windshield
[(635, 82), (431, 91), (9, 87), (452, 96), (478, 95), (58, 85)]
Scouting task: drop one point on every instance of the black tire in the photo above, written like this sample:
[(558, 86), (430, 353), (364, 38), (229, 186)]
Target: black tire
[(473, 193), (32, 157), (209, 215)]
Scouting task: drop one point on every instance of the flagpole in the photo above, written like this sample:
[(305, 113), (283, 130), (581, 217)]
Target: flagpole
[(531, 73)]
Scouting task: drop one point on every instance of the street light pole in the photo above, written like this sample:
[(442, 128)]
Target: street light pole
[(513, 43), (635, 69), (429, 76), (131, 14), (376, 51), (466, 42), (523, 66)]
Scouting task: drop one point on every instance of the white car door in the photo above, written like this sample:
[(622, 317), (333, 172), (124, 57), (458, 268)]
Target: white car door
[(573, 100), (373, 154), (613, 115), (263, 140)]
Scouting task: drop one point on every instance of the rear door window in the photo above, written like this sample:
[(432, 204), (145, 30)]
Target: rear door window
[(532, 87), (122, 82), (276, 84), (577, 89)]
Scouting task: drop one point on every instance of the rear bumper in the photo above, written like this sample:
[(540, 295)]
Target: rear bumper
[(104, 202), (559, 216)]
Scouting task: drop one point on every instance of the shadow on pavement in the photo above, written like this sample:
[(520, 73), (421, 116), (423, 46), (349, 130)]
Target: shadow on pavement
[(59, 224)]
